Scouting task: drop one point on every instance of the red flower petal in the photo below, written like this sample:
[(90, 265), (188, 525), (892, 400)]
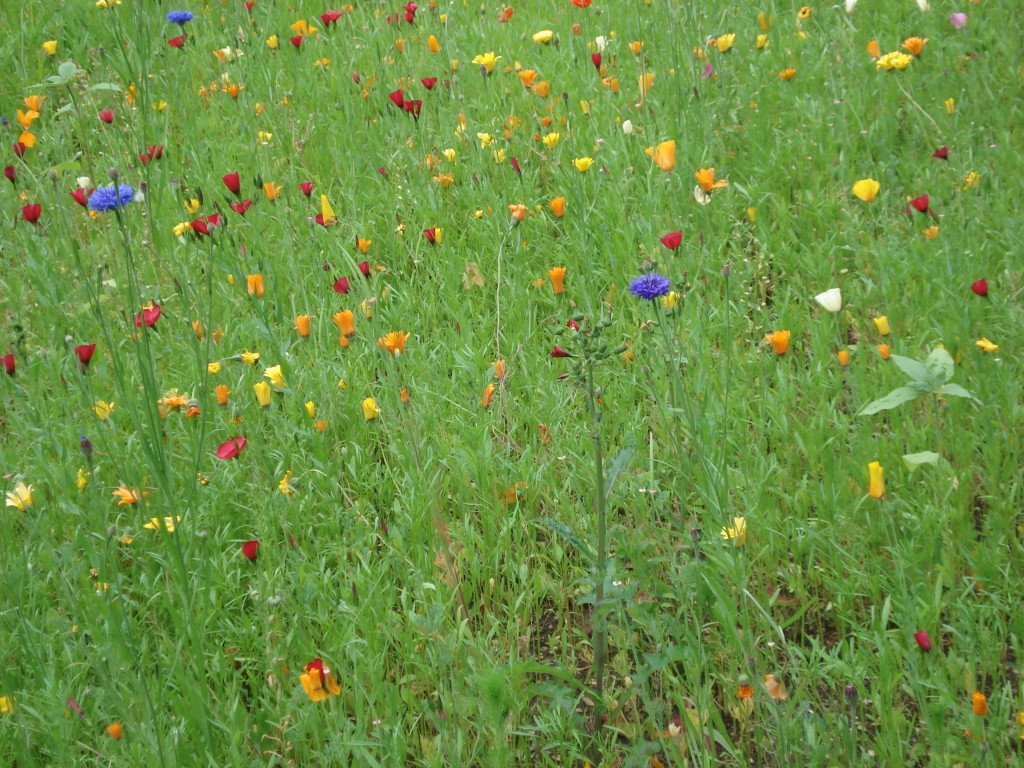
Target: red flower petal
[(327, 18), (980, 287), (397, 98), (920, 204), (341, 285), (81, 196), (232, 181), (297, 41), (250, 549), (240, 207), (923, 641), (596, 58), (177, 42), (231, 448), (559, 352), (107, 116), (149, 316), (307, 188), (85, 353), (672, 240), (31, 212), (10, 173), (942, 153), (364, 267), (429, 82), (8, 361)]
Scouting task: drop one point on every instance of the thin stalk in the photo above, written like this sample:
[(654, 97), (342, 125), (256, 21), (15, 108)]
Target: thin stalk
[(600, 626)]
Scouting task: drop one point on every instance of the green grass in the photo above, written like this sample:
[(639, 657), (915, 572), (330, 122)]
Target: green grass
[(440, 558)]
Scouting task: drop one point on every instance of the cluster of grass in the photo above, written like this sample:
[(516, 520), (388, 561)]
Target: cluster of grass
[(421, 512)]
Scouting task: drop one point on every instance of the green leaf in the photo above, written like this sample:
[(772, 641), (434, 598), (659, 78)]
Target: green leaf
[(67, 70), (566, 533), (915, 460), (940, 367), (956, 391), (615, 469), (105, 87), (894, 399), (915, 369)]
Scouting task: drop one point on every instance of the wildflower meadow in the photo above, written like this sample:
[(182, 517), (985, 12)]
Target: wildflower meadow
[(554, 383)]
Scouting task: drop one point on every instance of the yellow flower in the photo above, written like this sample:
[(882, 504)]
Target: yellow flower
[(181, 228), (126, 496), (543, 37), (950, 105), (645, 82), (21, 497), (319, 684), (876, 480), (263, 393), (271, 190), (444, 180), (983, 344), (894, 60), (866, 189), (882, 324), (663, 155), (724, 42), (583, 163), (787, 74), (103, 409), (394, 342), (191, 206), (272, 42), (804, 13), (249, 358), (285, 485), (449, 155), (213, 367), (971, 179), (264, 137), (499, 156), (669, 300), (167, 523), (551, 140), (370, 409), (82, 481), (706, 180), (486, 61), (326, 211), (737, 534), (311, 409), (50, 47), (274, 374), (6, 705), (762, 42), (485, 140)]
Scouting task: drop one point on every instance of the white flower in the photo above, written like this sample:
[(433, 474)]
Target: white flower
[(923, 5), (83, 182), (627, 127), (851, 5), (701, 196), (601, 42), (832, 300)]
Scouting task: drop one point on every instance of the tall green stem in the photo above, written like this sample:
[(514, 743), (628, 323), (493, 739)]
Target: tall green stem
[(600, 626)]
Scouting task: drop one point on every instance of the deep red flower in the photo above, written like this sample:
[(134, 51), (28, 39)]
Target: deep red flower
[(297, 41), (397, 98), (107, 116), (581, 3), (248, 5), (942, 153), (672, 240), (429, 82), (923, 641), (559, 352), (980, 287), (596, 58), (240, 207), (573, 324), (177, 42), (341, 285), (919, 204), (250, 549), (156, 151), (383, 171), (148, 316), (413, 107), (514, 162), (356, 78), (364, 267), (327, 18), (231, 448), (10, 173), (410, 12), (9, 363), (307, 188), (81, 196), (145, 157), (31, 213), (232, 181), (431, 234), (205, 224), (20, 149), (85, 353)]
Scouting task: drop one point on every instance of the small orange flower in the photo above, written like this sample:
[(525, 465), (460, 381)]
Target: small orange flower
[(302, 325), (636, 47), (979, 704), (706, 180), (914, 45), (557, 277), (255, 284), (932, 232), (542, 89), (271, 190), (394, 342), (745, 691), (345, 321), (874, 50), (527, 76), (518, 211), (432, 45), (485, 401), (558, 207), (362, 245), (779, 341), (787, 74), (126, 496), (222, 393), (500, 369), (404, 396), (884, 351), (115, 731), (844, 358)]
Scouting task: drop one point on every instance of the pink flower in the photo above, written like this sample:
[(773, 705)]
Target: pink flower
[(958, 20), (942, 153), (923, 641), (149, 316), (231, 448)]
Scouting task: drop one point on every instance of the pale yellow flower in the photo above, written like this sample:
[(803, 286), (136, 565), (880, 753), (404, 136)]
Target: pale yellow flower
[(21, 497)]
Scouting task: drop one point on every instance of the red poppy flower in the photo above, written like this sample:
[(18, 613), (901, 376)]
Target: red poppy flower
[(356, 78), (20, 149), (364, 267), (672, 240), (429, 82), (177, 42), (383, 171), (341, 285), (413, 107), (232, 181), (231, 448), (327, 18), (145, 157), (248, 5), (923, 641), (307, 188), (431, 234), (156, 151), (919, 204), (10, 173), (514, 162), (107, 116), (250, 549), (596, 58), (942, 153), (297, 41), (581, 3), (573, 324), (149, 316), (410, 12), (9, 363), (31, 213), (559, 352), (85, 353), (240, 207), (81, 196), (980, 287), (397, 98)]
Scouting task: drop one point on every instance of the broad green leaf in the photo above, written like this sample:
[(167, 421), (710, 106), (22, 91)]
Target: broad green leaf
[(105, 87), (67, 70), (940, 367), (915, 460), (896, 398), (615, 469), (956, 391), (915, 369), (566, 533)]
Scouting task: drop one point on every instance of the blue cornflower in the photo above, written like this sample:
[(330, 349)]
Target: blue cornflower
[(110, 198), (650, 286), (179, 17)]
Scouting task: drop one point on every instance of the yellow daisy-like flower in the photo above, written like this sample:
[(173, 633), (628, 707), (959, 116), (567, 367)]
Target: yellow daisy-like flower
[(737, 534), (126, 496), (21, 497), (486, 61), (103, 409), (583, 164), (167, 523), (894, 60), (983, 344)]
